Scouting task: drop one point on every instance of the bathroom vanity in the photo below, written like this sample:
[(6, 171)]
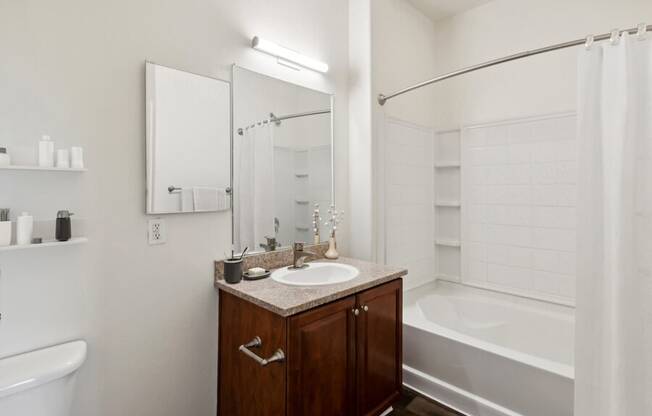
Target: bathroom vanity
[(311, 350)]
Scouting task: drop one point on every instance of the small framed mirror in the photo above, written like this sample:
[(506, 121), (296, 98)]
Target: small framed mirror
[(282, 161), (188, 136)]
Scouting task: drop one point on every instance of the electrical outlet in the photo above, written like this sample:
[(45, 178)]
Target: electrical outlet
[(157, 234)]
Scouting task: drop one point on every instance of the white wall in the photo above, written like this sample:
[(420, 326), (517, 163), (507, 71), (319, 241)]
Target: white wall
[(75, 69), (536, 85), (403, 52), (360, 215)]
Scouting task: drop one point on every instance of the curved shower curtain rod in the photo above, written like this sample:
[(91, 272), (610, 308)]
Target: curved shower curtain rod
[(277, 120), (641, 29)]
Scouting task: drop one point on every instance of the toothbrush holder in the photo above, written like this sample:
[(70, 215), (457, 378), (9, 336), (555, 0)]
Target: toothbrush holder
[(232, 270)]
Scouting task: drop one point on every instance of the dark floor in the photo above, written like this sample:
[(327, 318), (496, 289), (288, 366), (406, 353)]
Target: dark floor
[(412, 403)]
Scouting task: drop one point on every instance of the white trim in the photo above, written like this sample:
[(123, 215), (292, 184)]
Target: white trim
[(451, 396)]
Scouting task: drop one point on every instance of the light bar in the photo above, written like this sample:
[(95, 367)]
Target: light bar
[(286, 54)]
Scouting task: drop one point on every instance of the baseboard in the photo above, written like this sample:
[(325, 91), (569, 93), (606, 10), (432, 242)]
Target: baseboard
[(451, 396)]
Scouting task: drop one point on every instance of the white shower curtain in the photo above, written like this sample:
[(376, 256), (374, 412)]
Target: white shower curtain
[(254, 187), (613, 370)]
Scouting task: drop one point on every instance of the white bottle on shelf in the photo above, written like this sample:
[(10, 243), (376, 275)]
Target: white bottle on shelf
[(24, 229), (46, 152), (63, 158), (77, 157)]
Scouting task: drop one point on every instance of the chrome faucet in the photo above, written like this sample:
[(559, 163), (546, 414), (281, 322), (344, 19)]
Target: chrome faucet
[(271, 244), (300, 255)]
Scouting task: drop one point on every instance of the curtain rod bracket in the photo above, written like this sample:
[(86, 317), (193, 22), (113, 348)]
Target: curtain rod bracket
[(382, 99)]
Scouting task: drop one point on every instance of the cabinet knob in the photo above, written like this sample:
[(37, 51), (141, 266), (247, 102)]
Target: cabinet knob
[(356, 311), (365, 308)]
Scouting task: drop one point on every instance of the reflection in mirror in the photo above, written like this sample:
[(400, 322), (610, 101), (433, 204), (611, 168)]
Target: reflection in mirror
[(188, 141), (282, 161)]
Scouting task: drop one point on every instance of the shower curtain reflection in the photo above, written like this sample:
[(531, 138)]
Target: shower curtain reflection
[(254, 185)]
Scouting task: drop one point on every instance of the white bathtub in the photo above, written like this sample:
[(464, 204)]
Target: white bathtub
[(488, 354)]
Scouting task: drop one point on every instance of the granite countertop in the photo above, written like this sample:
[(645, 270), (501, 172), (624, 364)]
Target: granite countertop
[(286, 300)]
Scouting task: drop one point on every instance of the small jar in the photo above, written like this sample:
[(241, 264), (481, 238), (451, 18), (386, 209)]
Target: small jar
[(5, 159)]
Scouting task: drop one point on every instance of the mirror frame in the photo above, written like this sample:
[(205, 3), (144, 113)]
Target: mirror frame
[(332, 140)]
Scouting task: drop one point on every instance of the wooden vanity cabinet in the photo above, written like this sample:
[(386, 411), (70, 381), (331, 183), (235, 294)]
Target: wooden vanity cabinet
[(341, 359)]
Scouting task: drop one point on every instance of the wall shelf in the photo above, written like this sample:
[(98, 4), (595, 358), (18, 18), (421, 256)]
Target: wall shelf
[(449, 164), (49, 243), (301, 175), (451, 204), (39, 168), (448, 243)]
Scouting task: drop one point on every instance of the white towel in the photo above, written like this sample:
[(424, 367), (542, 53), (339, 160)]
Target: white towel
[(187, 200), (205, 198)]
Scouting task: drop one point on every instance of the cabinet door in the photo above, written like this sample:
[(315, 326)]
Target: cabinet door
[(245, 387), (321, 361), (379, 355)]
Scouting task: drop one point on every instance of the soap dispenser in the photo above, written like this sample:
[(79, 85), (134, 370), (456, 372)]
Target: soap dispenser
[(64, 227)]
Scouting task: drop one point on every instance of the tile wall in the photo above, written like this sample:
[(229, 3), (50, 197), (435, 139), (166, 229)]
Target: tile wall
[(518, 192)]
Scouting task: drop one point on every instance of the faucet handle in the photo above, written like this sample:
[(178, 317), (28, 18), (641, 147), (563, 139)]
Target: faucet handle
[(298, 246)]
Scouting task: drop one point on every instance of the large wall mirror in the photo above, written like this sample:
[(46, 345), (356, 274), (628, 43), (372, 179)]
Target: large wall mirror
[(188, 123), (282, 161)]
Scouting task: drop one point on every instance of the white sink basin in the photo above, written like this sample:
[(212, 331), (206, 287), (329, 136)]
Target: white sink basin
[(316, 274)]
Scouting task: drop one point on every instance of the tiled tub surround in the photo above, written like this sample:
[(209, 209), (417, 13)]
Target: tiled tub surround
[(286, 300), (518, 212), (408, 189)]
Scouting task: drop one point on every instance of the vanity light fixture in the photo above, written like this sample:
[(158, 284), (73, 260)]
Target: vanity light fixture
[(285, 54)]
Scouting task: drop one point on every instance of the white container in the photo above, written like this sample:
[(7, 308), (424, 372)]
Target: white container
[(5, 159), (46, 152), (5, 233), (63, 158), (24, 229), (76, 157)]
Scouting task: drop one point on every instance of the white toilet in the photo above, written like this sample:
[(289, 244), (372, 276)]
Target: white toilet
[(41, 382)]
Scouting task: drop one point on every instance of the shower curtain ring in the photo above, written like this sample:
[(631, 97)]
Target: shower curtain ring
[(642, 31), (615, 36), (589, 42)]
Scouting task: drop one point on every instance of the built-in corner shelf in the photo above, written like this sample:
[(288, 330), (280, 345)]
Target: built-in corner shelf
[(39, 168), (448, 243), (452, 204), (449, 164), (301, 175), (51, 243), (302, 201)]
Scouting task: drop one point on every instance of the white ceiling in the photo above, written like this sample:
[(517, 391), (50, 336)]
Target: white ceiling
[(439, 9)]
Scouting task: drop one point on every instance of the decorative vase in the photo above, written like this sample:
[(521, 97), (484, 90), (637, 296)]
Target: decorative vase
[(331, 253)]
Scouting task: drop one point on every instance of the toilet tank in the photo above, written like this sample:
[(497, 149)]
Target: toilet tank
[(41, 382)]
